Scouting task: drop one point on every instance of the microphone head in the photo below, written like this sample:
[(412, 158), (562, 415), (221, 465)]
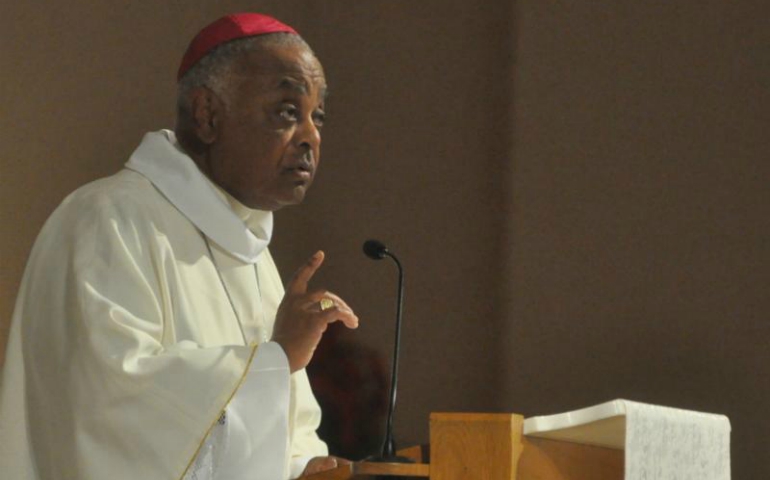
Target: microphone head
[(375, 249)]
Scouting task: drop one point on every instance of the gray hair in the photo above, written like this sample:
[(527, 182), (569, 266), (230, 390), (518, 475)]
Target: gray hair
[(215, 69)]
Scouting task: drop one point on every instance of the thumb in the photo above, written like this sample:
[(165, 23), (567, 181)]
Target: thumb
[(329, 463)]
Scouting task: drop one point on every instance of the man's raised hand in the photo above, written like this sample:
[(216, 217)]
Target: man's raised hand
[(301, 321)]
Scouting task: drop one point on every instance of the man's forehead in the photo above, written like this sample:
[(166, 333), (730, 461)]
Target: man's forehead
[(291, 69), (301, 86)]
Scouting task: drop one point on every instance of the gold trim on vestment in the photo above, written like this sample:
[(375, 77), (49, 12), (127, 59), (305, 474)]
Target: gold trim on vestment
[(254, 346)]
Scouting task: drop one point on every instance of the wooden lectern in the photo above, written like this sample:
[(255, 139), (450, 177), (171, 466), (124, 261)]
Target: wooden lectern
[(488, 446)]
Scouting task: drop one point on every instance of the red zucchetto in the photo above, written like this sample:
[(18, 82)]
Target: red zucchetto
[(229, 27)]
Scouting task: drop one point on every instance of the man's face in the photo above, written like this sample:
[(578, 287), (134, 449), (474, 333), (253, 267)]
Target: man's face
[(268, 146)]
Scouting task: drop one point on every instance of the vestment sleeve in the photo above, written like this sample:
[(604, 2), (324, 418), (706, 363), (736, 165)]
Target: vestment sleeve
[(305, 413)]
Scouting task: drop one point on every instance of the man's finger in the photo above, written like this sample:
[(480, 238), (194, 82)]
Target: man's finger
[(338, 301), (320, 464), (314, 297), (298, 283), (343, 461), (337, 314)]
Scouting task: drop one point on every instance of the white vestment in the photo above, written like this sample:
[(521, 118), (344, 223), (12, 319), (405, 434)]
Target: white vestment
[(137, 351)]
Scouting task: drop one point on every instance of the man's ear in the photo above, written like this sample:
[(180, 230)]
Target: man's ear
[(206, 111)]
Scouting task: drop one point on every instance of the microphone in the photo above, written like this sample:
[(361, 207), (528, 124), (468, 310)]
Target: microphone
[(376, 250)]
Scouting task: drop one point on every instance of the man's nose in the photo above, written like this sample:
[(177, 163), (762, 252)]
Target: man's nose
[(307, 135)]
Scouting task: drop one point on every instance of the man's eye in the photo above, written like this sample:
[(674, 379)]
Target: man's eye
[(319, 119), (288, 112)]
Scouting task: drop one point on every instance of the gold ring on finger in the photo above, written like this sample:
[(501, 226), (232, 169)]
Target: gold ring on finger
[(326, 304)]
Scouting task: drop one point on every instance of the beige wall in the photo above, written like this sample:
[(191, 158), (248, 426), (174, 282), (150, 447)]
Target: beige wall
[(578, 192), (639, 255)]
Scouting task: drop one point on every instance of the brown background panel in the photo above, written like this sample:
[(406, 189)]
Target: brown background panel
[(639, 261), (578, 191)]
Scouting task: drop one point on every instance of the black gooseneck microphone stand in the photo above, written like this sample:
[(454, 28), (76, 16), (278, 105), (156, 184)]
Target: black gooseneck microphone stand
[(377, 251)]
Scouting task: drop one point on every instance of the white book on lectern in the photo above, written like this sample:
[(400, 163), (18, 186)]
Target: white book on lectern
[(602, 425), (662, 443)]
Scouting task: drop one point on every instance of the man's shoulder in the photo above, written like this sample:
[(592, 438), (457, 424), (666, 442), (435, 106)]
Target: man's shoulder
[(124, 209), (124, 192), (125, 198), (123, 185)]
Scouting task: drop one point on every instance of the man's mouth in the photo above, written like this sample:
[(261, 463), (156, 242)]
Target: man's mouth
[(299, 173), (300, 169)]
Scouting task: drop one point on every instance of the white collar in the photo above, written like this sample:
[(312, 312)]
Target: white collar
[(242, 231)]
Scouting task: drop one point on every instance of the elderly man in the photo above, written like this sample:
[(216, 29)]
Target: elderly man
[(152, 338)]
